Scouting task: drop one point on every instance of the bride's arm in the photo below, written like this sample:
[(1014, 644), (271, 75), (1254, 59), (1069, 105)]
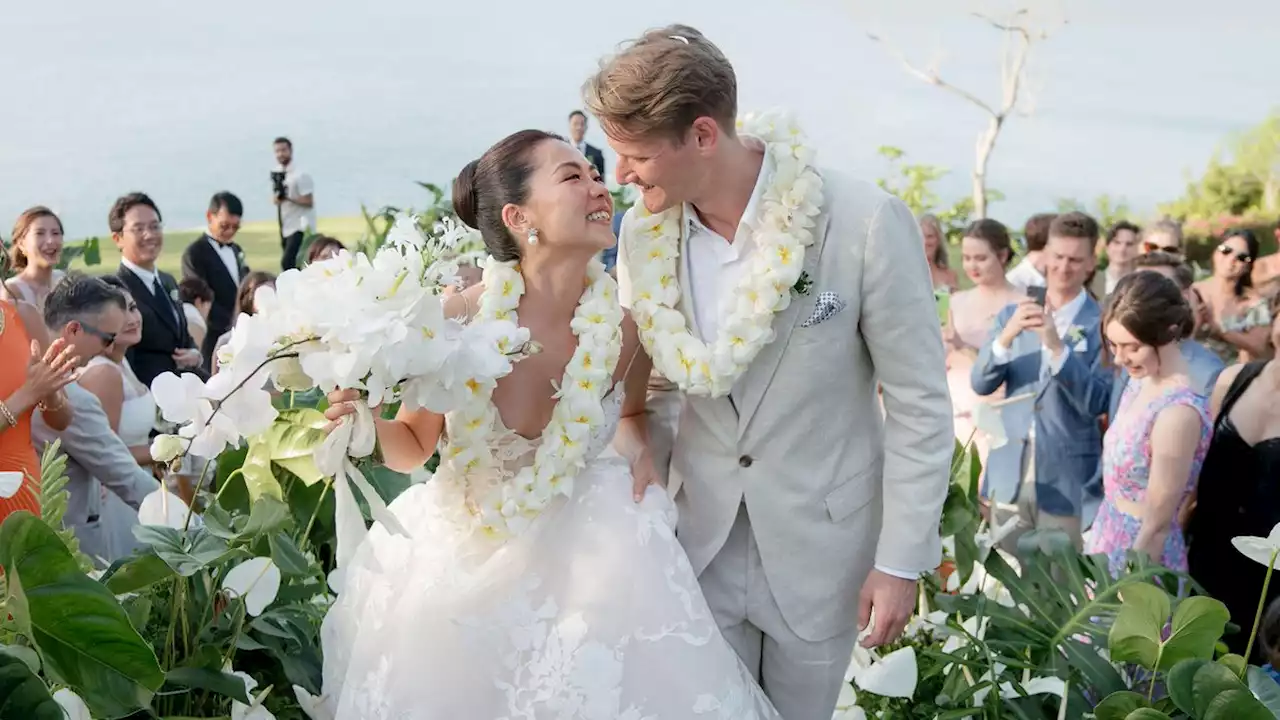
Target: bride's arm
[(632, 439), (408, 441)]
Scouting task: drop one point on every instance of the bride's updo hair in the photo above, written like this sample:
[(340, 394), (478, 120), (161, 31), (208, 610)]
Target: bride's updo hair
[(499, 178)]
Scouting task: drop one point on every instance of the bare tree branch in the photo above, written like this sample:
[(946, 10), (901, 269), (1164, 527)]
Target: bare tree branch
[(931, 76)]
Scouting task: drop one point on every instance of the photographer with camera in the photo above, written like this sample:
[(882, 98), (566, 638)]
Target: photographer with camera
[(292, 193)]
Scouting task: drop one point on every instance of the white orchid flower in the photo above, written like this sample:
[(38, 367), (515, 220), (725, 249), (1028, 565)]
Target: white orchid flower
[(257, 581), (316, 707), (163, 508), (167, 448), (73, 706), (10, 483), (1260, 550)]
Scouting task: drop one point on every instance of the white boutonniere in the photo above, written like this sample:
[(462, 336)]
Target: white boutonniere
[(173, 296), (1075, 338)]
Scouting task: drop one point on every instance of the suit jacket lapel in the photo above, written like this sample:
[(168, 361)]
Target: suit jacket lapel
[(162, 306), (751, 387)]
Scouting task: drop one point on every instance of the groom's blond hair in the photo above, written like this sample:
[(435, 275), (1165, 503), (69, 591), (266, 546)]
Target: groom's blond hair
[(658, 84)]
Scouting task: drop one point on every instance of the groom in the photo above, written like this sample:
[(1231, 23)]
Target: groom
[(804, 506)]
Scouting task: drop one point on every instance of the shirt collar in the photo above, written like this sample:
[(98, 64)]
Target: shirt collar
[(214, 242), (148, 277), (1071, 309), (749, 216)]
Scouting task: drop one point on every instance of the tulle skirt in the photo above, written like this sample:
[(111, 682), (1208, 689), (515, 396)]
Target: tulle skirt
[(592, 612)]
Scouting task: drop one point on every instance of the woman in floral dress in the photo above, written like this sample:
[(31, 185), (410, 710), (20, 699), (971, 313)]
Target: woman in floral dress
[(1154, 446)]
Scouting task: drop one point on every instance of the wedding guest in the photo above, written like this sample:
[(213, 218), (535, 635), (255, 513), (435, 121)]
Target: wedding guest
[(295, 197), (577, 138), (217, 259), (1237, 322), (935, 248), (1122, 253), (1049, 356), (37, 249), (166, 344), (197, 302), (323, 248), (1164, 235), (1203, 366), (31, 385), (1030, 270), (1157, 440), (245, 303), (985, 252), (131, 412), (1238, 494), (88, 313)]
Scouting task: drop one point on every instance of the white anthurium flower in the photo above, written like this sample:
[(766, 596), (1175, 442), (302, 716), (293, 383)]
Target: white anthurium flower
[(73, 706), (10, 483), (894, 675), (316, 707), (254, 710), (847, 705), (959, 640), (163, 508), (257, 580), (990, 422), (1035, 686), (1260, 550)]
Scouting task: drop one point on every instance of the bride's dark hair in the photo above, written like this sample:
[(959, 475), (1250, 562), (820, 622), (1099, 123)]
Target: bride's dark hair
[(500, 177)]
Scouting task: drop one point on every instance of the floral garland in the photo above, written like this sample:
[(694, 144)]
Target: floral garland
[(788, 213), (505, 505)]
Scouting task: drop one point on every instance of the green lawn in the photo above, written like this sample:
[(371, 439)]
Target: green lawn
[(260, 240)]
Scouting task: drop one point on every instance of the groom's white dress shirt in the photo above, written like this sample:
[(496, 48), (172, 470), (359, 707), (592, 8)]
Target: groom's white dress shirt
[(716, 267)]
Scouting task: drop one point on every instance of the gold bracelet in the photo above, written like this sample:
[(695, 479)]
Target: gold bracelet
[(8, 416), (62, 402)]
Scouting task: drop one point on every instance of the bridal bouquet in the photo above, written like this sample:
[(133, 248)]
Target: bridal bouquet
[(372, 323)]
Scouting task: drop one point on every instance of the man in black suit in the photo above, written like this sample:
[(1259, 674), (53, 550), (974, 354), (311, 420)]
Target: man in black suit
[(166, 344), (216, 259), (577, 135)]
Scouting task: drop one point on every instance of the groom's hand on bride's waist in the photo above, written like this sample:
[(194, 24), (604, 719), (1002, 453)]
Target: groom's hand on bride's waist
[(892, 599)]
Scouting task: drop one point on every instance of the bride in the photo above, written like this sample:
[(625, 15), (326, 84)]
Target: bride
[(541, 576)]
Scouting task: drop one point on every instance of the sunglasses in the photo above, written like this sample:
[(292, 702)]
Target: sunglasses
[(106, 337), (1154, 247), (1225, 250)]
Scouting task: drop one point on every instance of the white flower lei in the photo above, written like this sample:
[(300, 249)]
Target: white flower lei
[(505, 505), (788, 212)]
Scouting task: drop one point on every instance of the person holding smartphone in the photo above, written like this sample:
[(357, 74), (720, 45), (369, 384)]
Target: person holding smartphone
[(1046, 352)]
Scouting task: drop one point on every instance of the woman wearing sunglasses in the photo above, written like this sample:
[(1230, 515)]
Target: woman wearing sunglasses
[(1237, 323)]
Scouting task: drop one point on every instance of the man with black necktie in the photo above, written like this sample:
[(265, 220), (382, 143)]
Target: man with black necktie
[(577, 138), (166, 344), (216, 259)]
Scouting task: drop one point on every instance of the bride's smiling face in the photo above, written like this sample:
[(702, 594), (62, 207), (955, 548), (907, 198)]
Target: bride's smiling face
[(568, 202)]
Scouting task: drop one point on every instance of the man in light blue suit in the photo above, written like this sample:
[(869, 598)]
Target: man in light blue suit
[(1051, 354)]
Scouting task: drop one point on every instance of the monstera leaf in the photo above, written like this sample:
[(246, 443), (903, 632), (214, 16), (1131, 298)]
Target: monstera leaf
[(84, 637), (23, 694)]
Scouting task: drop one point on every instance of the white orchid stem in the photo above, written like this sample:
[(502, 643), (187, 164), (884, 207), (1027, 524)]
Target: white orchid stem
[(1257, 617)]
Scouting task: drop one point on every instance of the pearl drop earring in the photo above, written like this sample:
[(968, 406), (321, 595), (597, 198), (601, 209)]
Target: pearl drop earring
[(533, 236)]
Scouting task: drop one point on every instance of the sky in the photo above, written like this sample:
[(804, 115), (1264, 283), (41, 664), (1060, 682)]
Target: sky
[(181, 100)]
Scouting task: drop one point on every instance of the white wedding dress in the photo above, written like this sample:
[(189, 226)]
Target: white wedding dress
[(591, 613)]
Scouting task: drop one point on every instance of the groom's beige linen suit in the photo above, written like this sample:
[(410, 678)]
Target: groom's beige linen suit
[(795, 485)]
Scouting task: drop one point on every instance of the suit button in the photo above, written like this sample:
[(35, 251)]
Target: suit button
[(745, 461)]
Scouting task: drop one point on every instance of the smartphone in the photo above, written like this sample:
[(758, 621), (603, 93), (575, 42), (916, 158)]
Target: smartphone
[(1036, 292)]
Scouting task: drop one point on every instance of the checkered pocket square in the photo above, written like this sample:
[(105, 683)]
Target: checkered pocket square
[(828, 304)]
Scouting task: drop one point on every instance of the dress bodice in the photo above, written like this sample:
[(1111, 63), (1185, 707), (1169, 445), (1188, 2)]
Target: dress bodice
[(138, 410)]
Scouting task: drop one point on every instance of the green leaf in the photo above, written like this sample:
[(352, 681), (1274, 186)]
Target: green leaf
[(1197, 625), (82, 634), (140, 572), (1179, 682), (288, 558), (1135, 636), (1210, 681), (304, 468), (138, 608), (186, 555), (1235, 662), (258, 476), (267, 516), (205, 679), (23, 653), (1264, 688), (1118, 705), (1238, 704), (1146, 714), (23, 694)]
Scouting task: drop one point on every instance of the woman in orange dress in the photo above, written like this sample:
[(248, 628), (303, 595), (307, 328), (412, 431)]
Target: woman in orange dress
[(31, 378)]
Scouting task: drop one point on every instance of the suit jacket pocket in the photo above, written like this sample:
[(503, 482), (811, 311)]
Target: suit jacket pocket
[(852, 495)]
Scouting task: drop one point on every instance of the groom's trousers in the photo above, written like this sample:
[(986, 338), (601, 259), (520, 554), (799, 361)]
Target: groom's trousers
[(801, 678)]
